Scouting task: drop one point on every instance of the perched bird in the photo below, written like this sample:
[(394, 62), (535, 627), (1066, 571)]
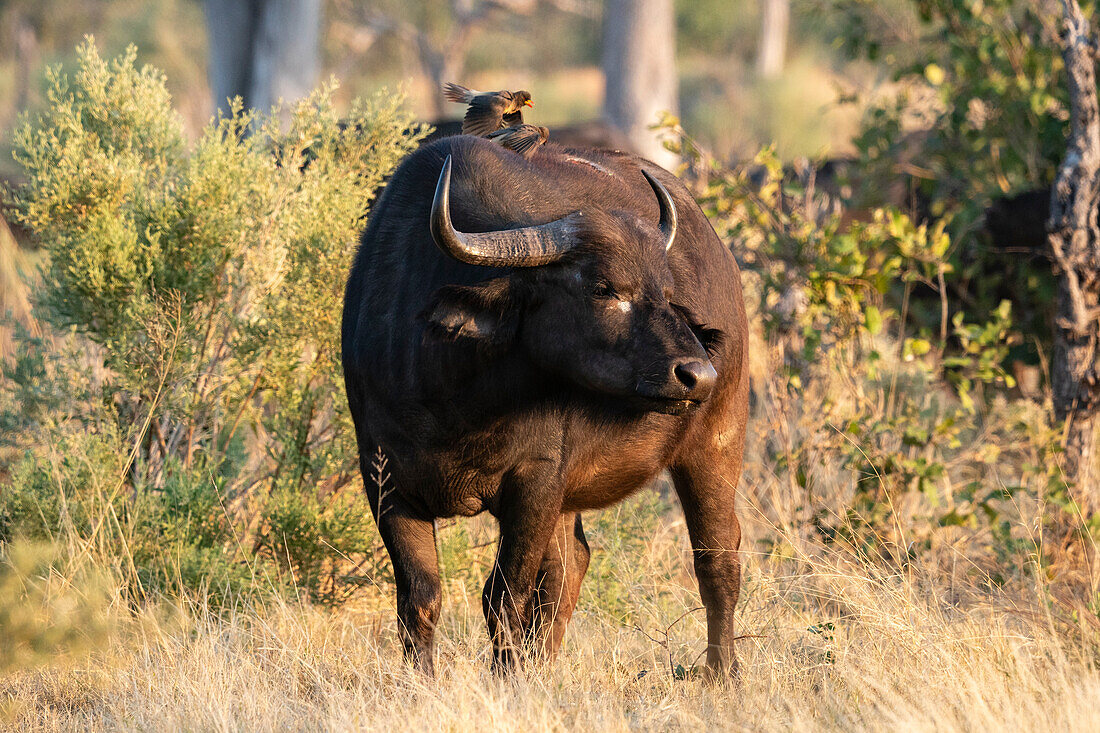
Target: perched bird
[(488, 111), (522, 139)]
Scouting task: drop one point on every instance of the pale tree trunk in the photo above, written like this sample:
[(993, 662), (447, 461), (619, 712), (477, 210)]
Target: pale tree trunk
[(772, 52), (15, 305), (1075, 246), (440, 67), (639, 65), (26, 60), (263, 50)]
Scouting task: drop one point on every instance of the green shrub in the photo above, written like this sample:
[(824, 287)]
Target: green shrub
[(982, 78), (977, 108), (190, 399), (919, 418)]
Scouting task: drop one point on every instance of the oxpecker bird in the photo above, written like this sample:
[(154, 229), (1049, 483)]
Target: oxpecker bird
[(488, 111)]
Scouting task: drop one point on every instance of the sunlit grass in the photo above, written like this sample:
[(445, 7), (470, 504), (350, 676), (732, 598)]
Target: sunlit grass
[(829, 644)]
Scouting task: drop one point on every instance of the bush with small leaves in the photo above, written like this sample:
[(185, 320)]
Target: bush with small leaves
[(189, 398), (856, 382)]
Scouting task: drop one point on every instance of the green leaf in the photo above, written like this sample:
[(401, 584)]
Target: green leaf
[(917, 346), (872, 319)]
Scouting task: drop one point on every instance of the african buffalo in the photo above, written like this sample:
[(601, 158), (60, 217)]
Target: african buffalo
[(536, 338)]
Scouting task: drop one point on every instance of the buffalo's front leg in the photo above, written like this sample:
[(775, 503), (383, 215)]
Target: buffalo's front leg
[(528, 515), (706, 484), (410, 542), (558, 584)]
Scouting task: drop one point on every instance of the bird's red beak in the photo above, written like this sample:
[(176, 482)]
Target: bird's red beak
[(528, 103)]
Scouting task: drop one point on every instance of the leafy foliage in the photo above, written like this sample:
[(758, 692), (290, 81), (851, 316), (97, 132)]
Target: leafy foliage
[(978, 109), (982, 79), (917, 416), (191, 399)]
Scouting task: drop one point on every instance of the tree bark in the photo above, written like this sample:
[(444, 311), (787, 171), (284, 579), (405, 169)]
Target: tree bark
[(14, 296), (772, 52), (263, 50), (639, 64), (26, 59), (1075, 245)]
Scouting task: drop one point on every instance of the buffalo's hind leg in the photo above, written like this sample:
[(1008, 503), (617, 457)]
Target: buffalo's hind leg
[(558, 585), (410, 542), (706, 482)]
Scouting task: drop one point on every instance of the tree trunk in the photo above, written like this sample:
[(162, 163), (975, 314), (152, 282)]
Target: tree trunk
[(1075, 245), (26, 60), (263, 50), (286, 52), (15, 306), (773, 38), (438, 71), (229, 30), (639, 64)]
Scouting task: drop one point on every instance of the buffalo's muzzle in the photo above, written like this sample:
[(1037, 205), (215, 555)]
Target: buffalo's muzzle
[(695, 377)]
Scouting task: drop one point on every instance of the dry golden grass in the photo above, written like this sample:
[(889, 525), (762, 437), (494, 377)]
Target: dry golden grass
[(830, 644)]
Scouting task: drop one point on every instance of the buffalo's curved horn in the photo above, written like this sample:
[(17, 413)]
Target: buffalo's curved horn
[(668, 220), (525, 247)]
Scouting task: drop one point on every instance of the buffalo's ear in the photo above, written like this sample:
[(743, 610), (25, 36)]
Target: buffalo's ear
[(712, 339), (486, 313)]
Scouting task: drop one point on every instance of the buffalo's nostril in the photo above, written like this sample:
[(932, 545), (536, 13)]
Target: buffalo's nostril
[(695, 375)]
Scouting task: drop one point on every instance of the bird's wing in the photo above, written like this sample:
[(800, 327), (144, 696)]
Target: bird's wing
[(484, 115), (513, 119), (524, 140), (458, 93)]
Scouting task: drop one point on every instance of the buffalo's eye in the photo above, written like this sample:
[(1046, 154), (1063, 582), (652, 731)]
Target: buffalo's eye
[(604, 289)]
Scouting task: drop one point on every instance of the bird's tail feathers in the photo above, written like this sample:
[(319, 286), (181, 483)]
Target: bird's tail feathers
[(457, 93)]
